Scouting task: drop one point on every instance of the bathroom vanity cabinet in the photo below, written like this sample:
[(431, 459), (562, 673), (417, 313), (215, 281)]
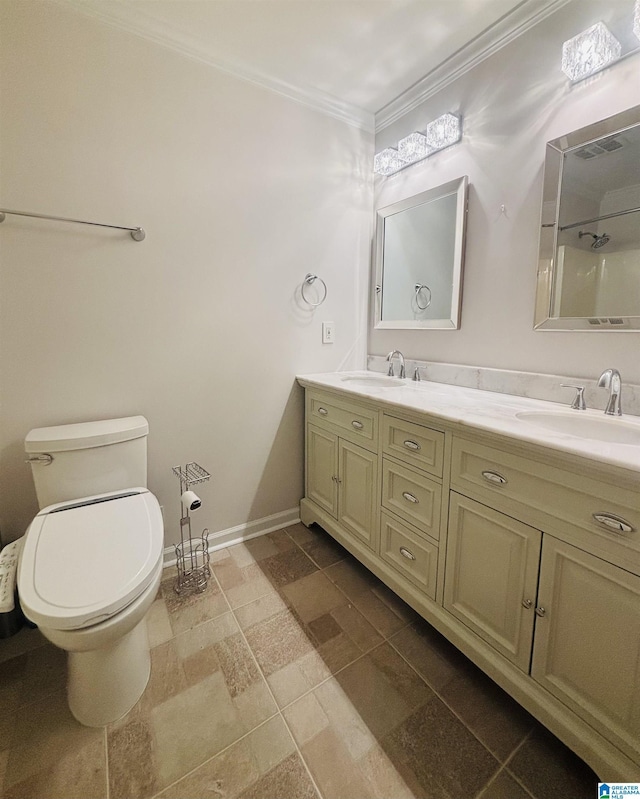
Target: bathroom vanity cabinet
[(342, 464), (527, 557)]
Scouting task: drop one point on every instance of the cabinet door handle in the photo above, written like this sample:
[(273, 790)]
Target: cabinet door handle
[(613, 523), (527, 603), (336, 479), (494, 477), (412, 445), (358, 425), (323, 411), (406, 553), (409, 497), (540, 611)]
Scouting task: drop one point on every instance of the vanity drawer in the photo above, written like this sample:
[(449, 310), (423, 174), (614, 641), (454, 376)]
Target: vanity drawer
[(591, 513), (414, 444), (412, 496), (346, 419), (413, 556)]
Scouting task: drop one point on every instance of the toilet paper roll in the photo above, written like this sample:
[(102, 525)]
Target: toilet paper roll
[(191, 501)]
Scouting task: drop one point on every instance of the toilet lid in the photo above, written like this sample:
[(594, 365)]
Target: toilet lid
[(85, 560)]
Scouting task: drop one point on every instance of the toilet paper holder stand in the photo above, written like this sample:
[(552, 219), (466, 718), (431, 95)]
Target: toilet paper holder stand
[(192, 553)]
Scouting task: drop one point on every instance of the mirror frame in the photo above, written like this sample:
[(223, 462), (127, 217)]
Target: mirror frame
[(548, 260), (459, 187)]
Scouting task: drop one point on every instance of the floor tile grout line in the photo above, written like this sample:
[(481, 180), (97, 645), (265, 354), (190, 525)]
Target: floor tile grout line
[(322, 569), (346, 557), (213, 757), (457, 715), (307, 693), (511, 757), (106, 761), (279, 710), (38, 700), (504, 767), (385, 639), (490, 781)]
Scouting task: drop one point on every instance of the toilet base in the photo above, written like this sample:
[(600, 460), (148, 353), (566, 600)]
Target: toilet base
[(104, 684)]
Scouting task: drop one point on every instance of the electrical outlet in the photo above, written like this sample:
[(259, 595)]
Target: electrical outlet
[(328, 332)]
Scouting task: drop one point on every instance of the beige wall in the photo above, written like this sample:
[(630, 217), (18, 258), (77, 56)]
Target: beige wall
[(199, 328), (512, 104)]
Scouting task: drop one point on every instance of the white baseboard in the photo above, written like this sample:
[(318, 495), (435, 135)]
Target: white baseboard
[(242, 532)]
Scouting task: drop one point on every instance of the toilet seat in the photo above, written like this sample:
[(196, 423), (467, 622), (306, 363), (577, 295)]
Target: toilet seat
[(85, 560)]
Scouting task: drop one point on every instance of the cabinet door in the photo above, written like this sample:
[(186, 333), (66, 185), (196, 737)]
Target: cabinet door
[(587, 642), (322, 469), (357, 495), (491, 575)]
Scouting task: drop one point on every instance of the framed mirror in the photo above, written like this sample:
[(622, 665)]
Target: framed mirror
[(589, 262), (419, 259)]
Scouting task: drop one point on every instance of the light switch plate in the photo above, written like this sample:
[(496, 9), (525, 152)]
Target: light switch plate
[(328, 332)]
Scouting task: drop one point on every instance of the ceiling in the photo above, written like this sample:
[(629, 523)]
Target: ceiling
[(365, 61)]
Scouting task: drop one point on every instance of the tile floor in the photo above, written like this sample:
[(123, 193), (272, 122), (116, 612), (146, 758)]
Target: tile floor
[(295, 675)]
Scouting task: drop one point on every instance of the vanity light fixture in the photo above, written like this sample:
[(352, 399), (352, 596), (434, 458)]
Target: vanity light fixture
[(414, 148), (443, 132), (636, 19), (388, 161), (589, 52), (440, 133)]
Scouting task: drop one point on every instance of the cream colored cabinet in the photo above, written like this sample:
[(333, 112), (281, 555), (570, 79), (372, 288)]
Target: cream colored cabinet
[(357, 495), (322, 469), (587, 640), (527, 560), (411, 501), (342, 479), (491, 576), (342, 475)]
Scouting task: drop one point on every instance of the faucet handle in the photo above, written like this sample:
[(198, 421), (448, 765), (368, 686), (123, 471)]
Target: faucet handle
[(416, 374), (578, 403)]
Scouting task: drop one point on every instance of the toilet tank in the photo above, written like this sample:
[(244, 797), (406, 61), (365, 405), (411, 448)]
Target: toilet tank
[(77, 460)]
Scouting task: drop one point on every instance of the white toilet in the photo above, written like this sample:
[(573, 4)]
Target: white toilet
[(92, 559)]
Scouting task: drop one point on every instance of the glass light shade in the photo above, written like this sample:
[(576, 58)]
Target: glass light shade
[(589, 51), (414, 148), (636, 19), (443, 131), (387, 162)]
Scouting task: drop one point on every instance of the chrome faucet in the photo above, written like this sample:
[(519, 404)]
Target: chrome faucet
[(390, 358), (610, 379)]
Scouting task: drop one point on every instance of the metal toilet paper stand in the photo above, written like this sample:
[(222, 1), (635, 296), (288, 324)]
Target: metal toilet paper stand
[(192, 554)]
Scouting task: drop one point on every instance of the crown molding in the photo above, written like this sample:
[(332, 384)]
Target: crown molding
[(137, 22), (512, 25)]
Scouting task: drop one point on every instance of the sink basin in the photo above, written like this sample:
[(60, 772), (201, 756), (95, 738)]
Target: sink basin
[(373, 381), (607, 429)]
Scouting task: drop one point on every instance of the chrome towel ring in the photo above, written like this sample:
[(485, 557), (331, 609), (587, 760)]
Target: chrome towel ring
[(309, 280), (419, 288)]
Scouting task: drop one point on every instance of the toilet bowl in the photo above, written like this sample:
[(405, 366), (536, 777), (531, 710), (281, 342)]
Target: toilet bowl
[(89, 570)]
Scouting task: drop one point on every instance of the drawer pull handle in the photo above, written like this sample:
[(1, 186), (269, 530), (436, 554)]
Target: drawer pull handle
[(323, 411), (410, 498), (358, 425), (412, 445), (494, 477), (406, 553), (616, 524)]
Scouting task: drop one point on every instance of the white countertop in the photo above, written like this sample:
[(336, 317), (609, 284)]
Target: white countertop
[(490, 411)]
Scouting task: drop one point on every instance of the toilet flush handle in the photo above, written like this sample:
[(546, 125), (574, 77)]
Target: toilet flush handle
[(45, 459)]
